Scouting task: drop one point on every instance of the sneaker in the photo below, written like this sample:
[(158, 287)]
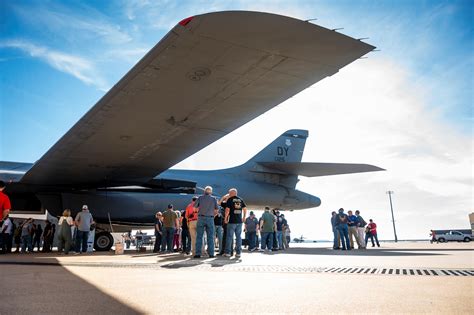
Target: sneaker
[(237, 255), (211, 256), (197, 256), (226, 255)]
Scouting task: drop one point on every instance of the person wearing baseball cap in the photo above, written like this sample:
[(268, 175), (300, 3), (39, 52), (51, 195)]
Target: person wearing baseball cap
[(170, 224), (206, 207), (83, 222)]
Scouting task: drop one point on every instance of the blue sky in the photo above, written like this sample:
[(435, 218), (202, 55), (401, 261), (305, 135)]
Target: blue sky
[(57, 58)]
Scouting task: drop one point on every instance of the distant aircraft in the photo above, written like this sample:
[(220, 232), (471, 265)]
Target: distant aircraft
[(209, 75)]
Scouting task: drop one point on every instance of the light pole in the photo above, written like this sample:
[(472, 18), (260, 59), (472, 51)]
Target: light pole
[(390, 193)]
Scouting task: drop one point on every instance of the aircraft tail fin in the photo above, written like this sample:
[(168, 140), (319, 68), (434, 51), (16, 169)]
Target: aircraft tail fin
[(288, 147), (281, 159)]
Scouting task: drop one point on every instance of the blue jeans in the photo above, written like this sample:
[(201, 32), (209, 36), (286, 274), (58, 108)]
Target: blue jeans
[(344, 234), (252, 238), (26, 241), (280, 239), (81, 239), (234, 228), (220, 237), (337, 241), (369, 235), (167, 239), (206, 223), (185, 240), (267, 240)]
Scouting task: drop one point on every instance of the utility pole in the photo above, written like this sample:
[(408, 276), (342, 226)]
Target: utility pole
[(390, 193)]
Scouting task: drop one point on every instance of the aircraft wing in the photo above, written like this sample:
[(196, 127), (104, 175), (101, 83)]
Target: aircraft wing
[(318, 169), (209, 75)]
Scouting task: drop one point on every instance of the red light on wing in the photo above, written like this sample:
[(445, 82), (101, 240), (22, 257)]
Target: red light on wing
[(186, 21)]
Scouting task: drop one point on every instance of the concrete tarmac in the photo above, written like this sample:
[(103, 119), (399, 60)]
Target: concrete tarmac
[(306, 279)]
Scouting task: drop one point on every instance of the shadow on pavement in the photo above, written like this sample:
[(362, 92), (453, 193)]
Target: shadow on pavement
[(52, 289), (176, 262)]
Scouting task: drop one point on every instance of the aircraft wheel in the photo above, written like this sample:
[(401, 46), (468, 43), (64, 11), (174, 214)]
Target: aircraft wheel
[(103, 241)]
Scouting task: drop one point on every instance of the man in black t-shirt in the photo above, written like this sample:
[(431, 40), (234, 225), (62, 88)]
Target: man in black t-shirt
[(235, 215)]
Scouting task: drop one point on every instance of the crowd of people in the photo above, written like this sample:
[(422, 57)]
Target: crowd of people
[(27, 236), (350, 226), (208, 224)]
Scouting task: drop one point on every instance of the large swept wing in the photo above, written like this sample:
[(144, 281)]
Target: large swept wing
[(318, 169), (209, 75)]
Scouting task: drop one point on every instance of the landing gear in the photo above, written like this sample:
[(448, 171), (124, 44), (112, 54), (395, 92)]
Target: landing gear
[(103, 241)]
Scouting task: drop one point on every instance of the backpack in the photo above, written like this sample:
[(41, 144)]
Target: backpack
[(362, 222)]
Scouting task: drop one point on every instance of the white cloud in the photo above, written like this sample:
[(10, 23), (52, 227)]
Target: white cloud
[(76, 66), (89, 23)]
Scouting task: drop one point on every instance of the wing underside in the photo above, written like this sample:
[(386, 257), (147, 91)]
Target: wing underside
[(205, 78)]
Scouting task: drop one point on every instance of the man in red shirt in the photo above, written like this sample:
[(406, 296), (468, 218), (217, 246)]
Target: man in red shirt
[(5, 204), (191, 217), (371, 232)]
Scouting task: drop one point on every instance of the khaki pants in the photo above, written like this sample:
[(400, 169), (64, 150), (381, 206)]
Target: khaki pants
[(353, 232), (192, 232), (361, 234)]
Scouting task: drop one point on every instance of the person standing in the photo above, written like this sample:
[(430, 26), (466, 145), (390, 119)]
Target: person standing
[(343, 229), (191, 217), (372, 233), (158, 231), (7, 235), (235, 215), (170, 224), (185, 238), (251, 227), (65, 232), (279, 231), (17, 237), (207, 207), (218, 223), (128, 240), (288, 236), (433, 236), (267, 227), (83, 222), (222, 203), (47, 237), (337, 239), (276, 213), (361, 229), (26, 236), (352, 226), (37, 237), (5, 204)]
